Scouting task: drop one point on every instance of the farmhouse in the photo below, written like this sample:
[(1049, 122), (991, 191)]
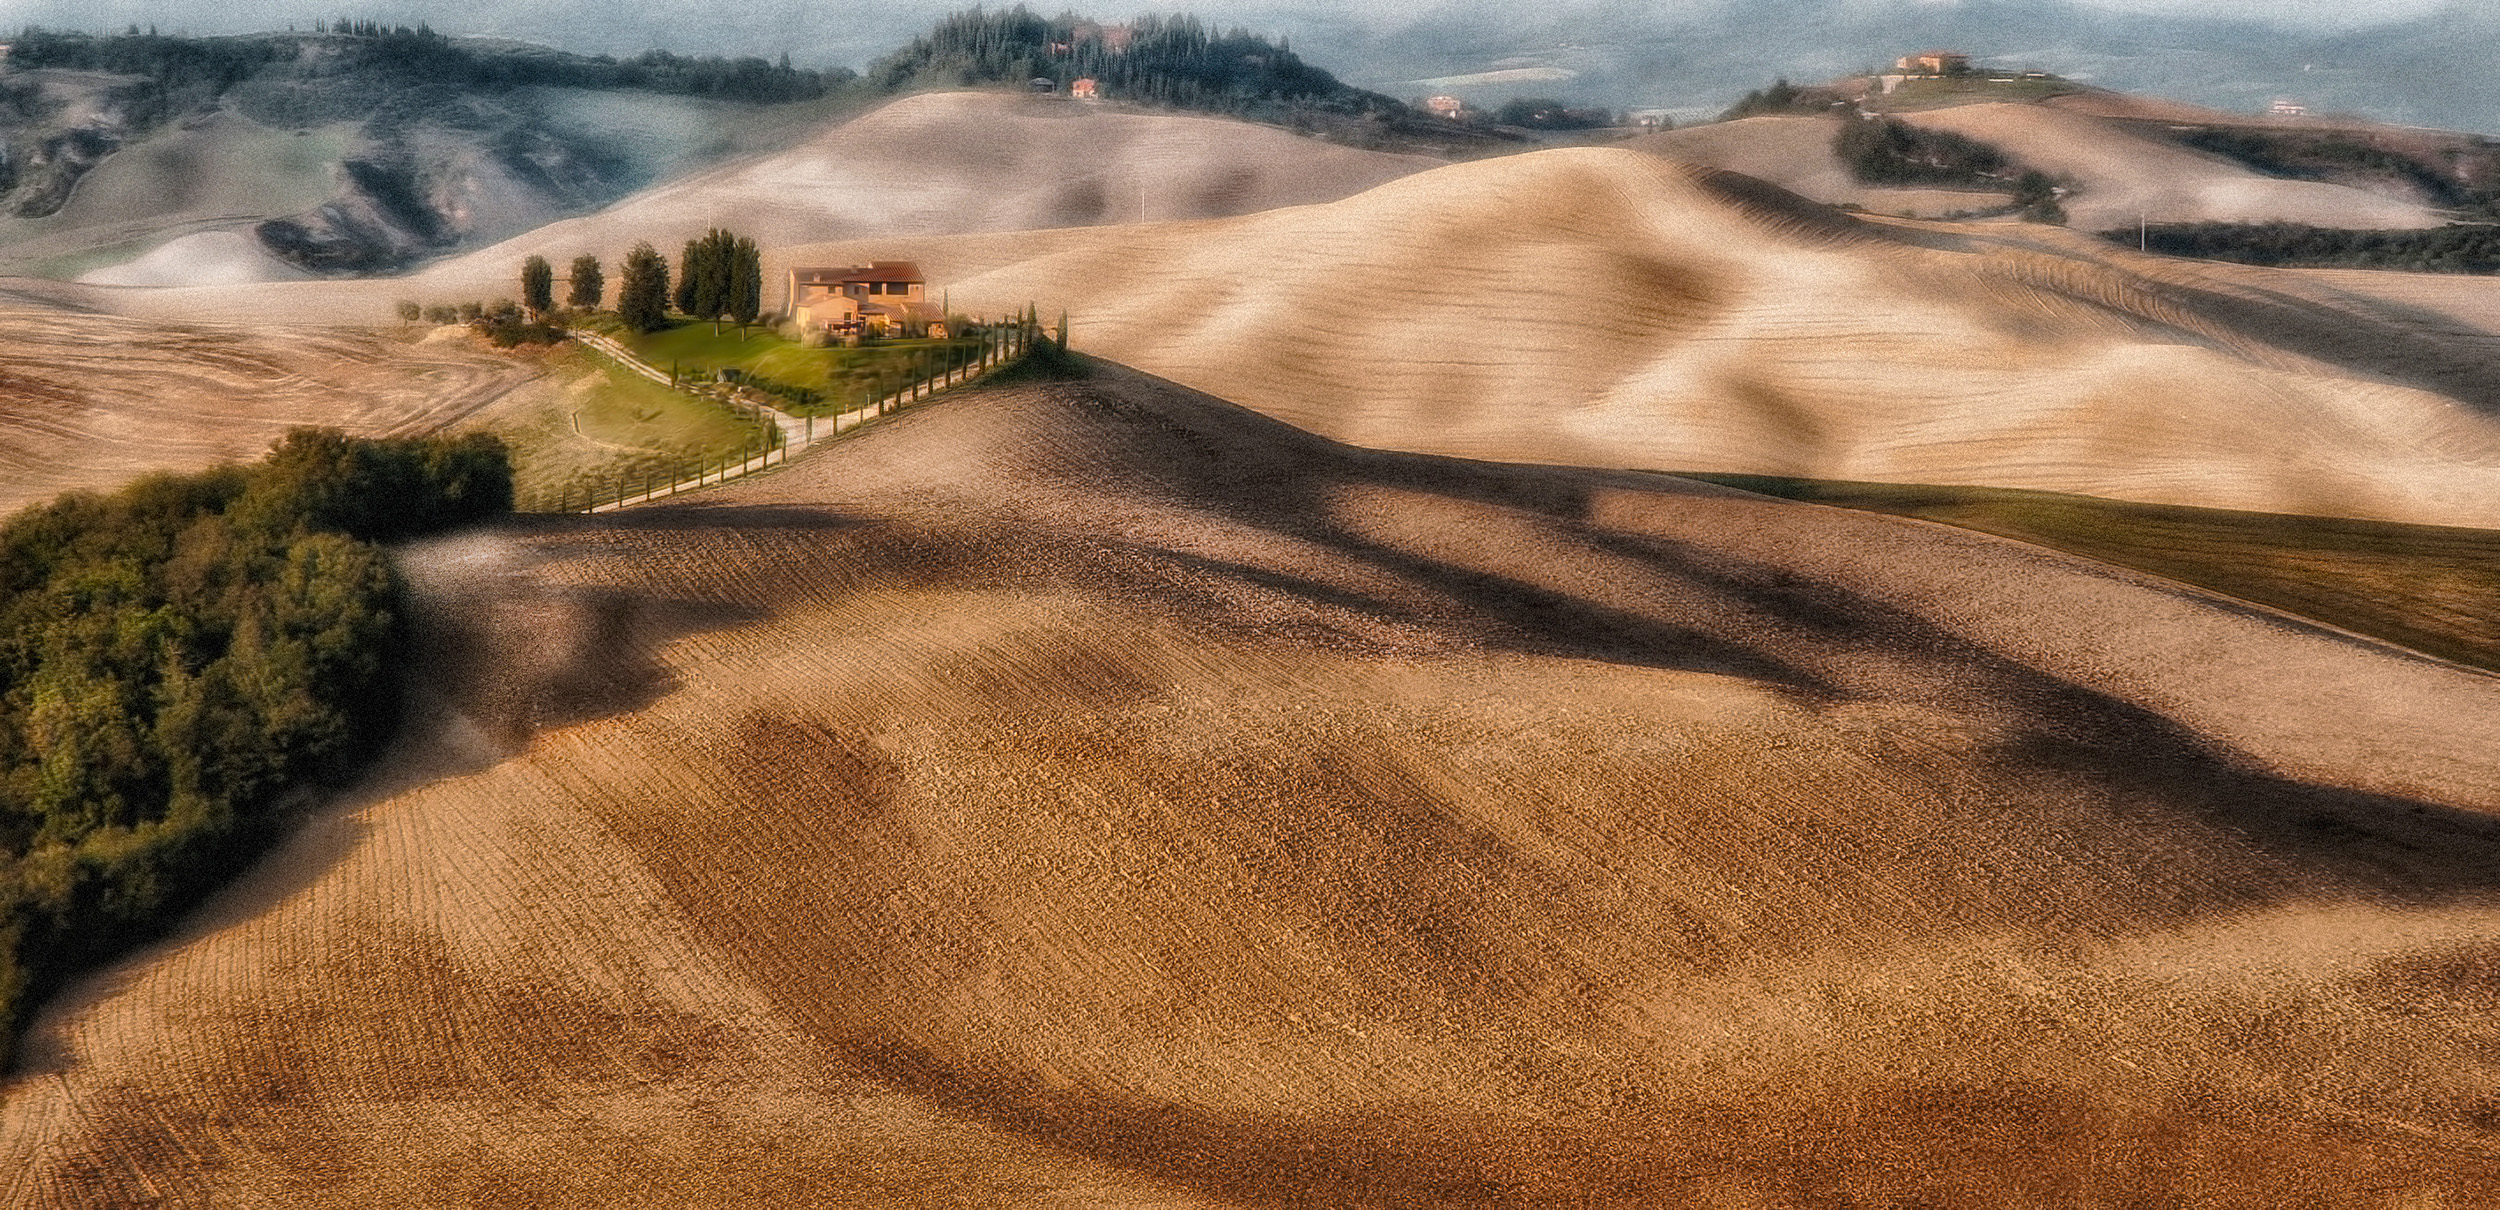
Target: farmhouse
[(1934, 63), (881, 297)]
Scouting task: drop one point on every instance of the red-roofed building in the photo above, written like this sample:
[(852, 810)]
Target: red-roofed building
[(1934, 63), (881, 296)]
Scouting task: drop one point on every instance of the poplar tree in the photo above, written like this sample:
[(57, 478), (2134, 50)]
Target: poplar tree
[(642, 294), (538, 285), (589, 285), (746, 294)]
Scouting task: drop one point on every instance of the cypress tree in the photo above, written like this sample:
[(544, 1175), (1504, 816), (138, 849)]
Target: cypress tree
[(746, 295), (588, 284), (538, 285), (642, 297)]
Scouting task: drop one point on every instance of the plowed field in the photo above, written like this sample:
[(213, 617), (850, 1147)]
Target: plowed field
[(90, 401), (1095, 794)]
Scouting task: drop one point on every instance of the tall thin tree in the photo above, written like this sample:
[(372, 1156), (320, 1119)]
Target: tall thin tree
[(588, 284), (746, 282), (538, 285), (642, 295)]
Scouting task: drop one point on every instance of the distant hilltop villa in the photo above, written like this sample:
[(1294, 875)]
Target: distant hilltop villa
[(1947, 65), (1933, 63)]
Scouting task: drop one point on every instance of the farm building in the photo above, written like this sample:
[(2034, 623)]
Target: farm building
[(880, 297)]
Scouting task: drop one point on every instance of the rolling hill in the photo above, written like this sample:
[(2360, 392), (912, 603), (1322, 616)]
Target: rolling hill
[(954, 162), (1092, 792), (1794, 152), (1602, 307), (2118, 172), (1605, 307)]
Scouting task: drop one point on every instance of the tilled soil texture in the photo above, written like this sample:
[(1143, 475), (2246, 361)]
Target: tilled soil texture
[(90, 401), (1091, 793)]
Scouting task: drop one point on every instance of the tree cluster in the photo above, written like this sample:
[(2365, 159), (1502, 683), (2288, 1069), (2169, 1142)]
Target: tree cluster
[(1782, 97), (1887, 151), (179, 657), (1546, 113), (721, 274), (1174, 61), (2458, 248), (418, 54)]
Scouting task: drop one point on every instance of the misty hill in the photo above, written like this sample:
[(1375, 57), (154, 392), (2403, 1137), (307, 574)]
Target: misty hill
[(1092, 792), (367, 148), (932, 163), (1166, 61), (358, 150), (2423, 68)]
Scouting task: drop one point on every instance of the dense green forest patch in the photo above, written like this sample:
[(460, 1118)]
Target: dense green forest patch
[(2433, 588), (179, 659), (367, 52)]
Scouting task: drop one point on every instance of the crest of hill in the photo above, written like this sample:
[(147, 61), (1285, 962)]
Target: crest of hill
[(1094, 792), (1604, 307), (1795, 153), (2116, 172), (2123, 175), (966, 162)]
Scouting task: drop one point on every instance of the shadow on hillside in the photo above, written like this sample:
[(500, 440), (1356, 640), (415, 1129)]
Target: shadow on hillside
[(1908, 1143), (2113, 762)]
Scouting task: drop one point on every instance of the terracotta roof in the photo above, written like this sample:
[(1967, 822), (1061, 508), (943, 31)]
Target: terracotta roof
[(884, 270)]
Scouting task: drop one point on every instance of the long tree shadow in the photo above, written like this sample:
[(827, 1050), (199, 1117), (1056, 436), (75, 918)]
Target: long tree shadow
[(1805, 634)]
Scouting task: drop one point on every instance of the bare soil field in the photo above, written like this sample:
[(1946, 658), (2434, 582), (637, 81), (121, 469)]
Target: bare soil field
[(943, 163), (2117, 175), (1795, 153), (91, 401), (2123, 176), (1095, 794), (1603, 307)]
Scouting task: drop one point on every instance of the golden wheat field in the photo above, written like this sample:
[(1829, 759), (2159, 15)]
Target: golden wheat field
[(1092, 793)]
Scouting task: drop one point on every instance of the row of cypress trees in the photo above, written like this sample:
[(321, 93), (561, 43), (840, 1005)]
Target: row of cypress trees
[(721, 274)]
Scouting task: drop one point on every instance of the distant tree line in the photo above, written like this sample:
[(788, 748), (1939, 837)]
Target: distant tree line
[(179, 658), (1546, 113), (2458, 248), (2324, 155), (1782, 97), (1176, 61), (420, 54)]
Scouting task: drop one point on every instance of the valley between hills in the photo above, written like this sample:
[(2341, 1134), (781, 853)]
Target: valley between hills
[(1591, 675)]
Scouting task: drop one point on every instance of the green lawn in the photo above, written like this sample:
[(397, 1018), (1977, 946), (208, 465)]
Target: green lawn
[(835, 380), (594, 425), (1932, 93), (2432, 588)]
